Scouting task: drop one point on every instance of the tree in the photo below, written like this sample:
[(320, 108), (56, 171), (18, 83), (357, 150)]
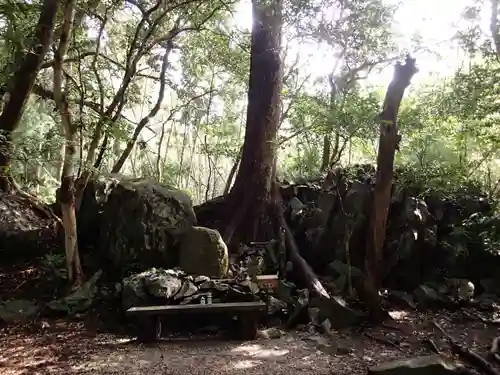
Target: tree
[(67, 190), (249, 200), (388, 144), (21, 86)]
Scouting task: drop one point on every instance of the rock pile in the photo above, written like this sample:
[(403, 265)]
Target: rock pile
[(426, 238), (287, 305), (168, 286)]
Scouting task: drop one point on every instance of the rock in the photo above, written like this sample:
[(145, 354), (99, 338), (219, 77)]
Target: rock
[(337, 311), (200, 279), (275, 305), (17, 311), (335, 348), (133, 291), (488, 302), (140, 288), (458, 288), (203, 252), (162, 283), (79, 300), (252, 287), (284, 290), (401, 298), (416, 211), (343, 269), (134, 223), (296, 206), (187, 290), (301, 303), (314, 315), (326, 325), (423, 365), (425, 295), (25, 231), (344, 348), (327, 349), (270, 333)]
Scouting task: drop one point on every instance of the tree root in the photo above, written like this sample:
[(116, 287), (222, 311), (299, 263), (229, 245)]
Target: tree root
[(307, 272), (494, 354), (472, 357)]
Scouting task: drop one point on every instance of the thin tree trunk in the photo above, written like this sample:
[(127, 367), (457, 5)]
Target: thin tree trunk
[(21, 86), (130, 144), (495, 26), (232, 172), (388, 144), (67, 190), (251, 195), (325, 159), (159, 164)]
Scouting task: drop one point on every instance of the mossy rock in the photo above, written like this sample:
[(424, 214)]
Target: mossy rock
[(133, 223), (203, 252)]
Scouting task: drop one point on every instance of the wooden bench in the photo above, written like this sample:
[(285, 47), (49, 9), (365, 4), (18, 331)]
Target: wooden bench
[(149, 322)]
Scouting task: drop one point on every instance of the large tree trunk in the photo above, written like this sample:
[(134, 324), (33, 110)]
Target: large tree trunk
[(250, 197), (388, 144), (21, 85), (67, 190)]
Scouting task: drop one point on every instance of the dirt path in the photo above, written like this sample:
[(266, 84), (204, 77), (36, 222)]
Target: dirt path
[(109, 354), (61, 347)]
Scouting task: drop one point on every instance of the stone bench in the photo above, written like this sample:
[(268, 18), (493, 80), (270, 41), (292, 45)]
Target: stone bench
[(148, 318)]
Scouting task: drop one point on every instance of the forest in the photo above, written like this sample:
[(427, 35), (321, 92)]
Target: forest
[(360, 165)]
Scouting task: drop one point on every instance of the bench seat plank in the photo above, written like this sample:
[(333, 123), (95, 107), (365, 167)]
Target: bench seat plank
[(194, 308)]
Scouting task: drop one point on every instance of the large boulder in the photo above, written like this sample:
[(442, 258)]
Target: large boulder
[(17, 311), (134, 223), (26, 231), (203, 252)]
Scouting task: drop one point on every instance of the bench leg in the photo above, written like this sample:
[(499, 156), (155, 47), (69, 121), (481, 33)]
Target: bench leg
[(248, 325), (149, 329)]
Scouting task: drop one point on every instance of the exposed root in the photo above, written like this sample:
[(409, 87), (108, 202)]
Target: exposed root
[(494, 354), (467, 354)]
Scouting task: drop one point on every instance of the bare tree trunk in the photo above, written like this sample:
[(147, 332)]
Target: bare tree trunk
[(21, 86), (130, 144), (495, 26), (388, 144), (67, 190), (251, 195), (159, 164), (232, 172), (325, 159)]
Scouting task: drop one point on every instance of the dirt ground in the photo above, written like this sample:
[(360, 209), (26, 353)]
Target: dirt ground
[(84, 345), (62, 347)]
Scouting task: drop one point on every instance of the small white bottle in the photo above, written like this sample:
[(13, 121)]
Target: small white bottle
[(203, 301)]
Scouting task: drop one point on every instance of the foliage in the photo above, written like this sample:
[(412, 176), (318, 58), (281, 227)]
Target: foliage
[(449, 127)]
